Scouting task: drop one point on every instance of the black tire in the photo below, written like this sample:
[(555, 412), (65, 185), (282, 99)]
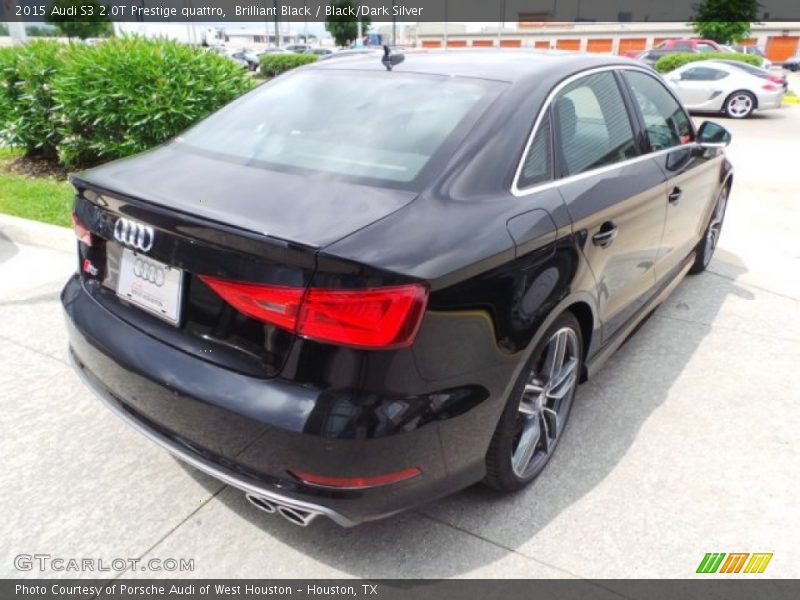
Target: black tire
[(739, 105), (501, 473), (705, 248)]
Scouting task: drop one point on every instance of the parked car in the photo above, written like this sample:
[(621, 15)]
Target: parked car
[(236, 56), (756, 51), (409, 310), (320, 51), (298, 48), (792, 64), (718, 86), (650, 57), (246, 57)]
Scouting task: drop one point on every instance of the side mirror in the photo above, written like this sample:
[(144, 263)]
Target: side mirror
[(713, 135)]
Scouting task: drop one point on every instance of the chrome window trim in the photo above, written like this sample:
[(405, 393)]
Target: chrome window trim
[(537, 187)]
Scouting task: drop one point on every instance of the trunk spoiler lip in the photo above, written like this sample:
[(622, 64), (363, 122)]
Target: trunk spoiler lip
[(83, 184)]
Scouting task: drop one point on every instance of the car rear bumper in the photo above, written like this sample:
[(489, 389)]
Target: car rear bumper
[(769, 101), (249, 432)]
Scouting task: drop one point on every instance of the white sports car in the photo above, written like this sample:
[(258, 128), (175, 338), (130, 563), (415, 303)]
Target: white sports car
[(720, 86)]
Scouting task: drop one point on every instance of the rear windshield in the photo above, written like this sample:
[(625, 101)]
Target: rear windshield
[(384, 126), (748, 68)]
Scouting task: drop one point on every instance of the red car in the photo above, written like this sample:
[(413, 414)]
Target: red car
[(679, 45)]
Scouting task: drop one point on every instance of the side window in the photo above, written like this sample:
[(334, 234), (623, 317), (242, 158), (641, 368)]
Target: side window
[(538, 164), (703, 74), (705, 48), (665, 120), (592, 124)]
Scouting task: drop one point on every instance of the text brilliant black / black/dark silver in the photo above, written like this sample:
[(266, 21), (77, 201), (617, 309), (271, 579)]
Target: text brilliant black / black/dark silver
[(379, 287)]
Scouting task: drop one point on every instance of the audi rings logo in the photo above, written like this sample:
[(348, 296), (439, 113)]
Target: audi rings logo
[(149, 272), (133, 234)]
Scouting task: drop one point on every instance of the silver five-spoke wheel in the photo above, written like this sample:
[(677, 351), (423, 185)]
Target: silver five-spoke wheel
[(545, 402), (739, 105), (715, 227)]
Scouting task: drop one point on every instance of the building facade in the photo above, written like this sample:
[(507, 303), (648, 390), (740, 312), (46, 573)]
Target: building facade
[(778, 40)]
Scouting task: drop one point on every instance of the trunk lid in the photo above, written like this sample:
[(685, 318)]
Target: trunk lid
[(310, 210)]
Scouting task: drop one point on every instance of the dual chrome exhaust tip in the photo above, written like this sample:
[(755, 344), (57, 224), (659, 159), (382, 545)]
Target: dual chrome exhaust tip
[(296, 516)]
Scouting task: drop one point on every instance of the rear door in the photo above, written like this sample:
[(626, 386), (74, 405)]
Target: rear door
[(692, 176), (614, 195)]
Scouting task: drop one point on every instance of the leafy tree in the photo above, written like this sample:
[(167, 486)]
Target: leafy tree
[(344, 29), (77, 25), (725, 21)]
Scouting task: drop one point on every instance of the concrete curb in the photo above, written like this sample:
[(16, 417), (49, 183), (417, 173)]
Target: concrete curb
[(33, 233)]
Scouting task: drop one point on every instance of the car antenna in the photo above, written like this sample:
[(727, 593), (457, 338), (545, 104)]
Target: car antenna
[(389, 60)]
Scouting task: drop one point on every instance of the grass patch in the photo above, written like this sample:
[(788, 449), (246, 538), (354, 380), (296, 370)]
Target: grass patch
[(46, 199)]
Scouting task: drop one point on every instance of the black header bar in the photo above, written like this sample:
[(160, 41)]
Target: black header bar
[(492, 11)]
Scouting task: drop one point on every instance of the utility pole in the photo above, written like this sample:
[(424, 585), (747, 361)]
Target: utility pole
[(277, 32), (359, 33), (16, 29), (394, 26)]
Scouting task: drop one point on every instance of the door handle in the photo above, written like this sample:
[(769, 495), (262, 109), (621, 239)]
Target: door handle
[(675, 195), (605, 237)]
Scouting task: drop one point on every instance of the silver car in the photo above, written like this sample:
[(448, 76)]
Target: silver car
[(717, 86)]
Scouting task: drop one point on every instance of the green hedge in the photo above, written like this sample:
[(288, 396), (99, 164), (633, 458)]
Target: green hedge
[(85, 103), (126, 95), (28, 111), (670, 62), (275, 64)]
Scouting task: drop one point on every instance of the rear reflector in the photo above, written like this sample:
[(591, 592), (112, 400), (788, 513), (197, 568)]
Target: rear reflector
[(81, 231), (378, 318), (355, 482), (771, 87)]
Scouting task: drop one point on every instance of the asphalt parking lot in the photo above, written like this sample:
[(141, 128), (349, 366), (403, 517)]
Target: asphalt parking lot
[(686, 443)]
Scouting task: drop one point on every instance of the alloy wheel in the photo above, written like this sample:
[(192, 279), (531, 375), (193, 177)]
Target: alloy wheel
[(715, 227), (740, 105), (545, 402)]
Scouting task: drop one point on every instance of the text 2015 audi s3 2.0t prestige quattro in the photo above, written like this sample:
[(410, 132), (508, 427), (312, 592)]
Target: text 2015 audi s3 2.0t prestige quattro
[(357, 289)]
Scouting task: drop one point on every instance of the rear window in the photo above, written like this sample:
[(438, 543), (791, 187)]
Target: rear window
[(384, 126)]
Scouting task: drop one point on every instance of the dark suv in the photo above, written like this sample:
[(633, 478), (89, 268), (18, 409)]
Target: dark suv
[(357, 289)]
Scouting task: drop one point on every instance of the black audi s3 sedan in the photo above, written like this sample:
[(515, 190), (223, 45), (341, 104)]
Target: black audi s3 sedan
[(359, 288)]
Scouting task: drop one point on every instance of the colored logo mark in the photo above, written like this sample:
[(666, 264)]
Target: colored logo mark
[(736, 562)]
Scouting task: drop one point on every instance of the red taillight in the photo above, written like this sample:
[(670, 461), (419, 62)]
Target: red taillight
[(355, 482), (380, 318), (81, 231), (274, 304), (377, 318), (770, 87)]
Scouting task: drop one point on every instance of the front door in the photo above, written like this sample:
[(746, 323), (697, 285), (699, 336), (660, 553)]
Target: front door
[(614, 194), (692, 177)]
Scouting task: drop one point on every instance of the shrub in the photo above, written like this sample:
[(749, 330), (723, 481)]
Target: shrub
[(27, 105), (273, 65), (129, 94), (670, 62)]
